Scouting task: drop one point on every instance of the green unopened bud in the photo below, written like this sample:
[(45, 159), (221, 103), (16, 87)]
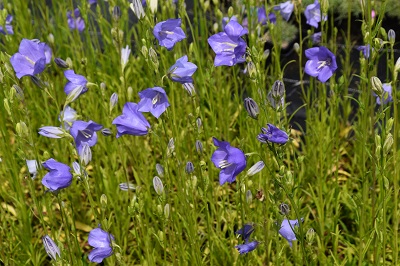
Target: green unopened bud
[(18, 92), (397, 65), (160, 209), (166, 211), (206, 5), (378, 150), (383, 33), (7, 107), (310, 235), (389, 125), (296, 47), (230, 11), (69, 62), (377, 140), (388, 143), (251, 69), (154, 58), (266, 54), (50, 38), (215, 27), (144, 51), (22, 129), (103, 201), (130, 93), (377, 86)]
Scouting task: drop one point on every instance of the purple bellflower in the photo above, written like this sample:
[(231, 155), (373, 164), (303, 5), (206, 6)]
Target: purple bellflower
[(153, 100), (74, 80), (286, 230), (31, 58), (273, 134), (51, 248), (247, 247), (262, 15), (59, 176), (7, 29), (101, 241), (75, 22), (286, 9), (169, 32), (52, 132), (230, 160), (228, 46), (182, 71), (245, 232), (68, 116), (321, 63), (365, 49), (313, 14), (84, 133), (131, 122), (387, 94), (316, 37)]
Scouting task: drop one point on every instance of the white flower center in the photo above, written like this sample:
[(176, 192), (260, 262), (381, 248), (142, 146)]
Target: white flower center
[(224, 164), (322, 64), (156, 99), (86, 133)]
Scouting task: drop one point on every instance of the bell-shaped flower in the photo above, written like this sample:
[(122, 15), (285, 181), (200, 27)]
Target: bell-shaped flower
[(386, 96), (247, 247), (74, 81), (31, 58), (169, 32), (101, 241), (52, 132), (131, 122), (321, 63), (59, 176), (286, 9), (182, 70), (313, 14), (230, 160), (272, 134), (153, 100), (32, 167), (84, 133), (245, 232), (75, 22), (228, 46), (365, 49), (8, 29), (68, 116), (286, 230)]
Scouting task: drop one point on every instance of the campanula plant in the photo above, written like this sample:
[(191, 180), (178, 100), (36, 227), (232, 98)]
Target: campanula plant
[(273, 134), (285, 9), (75, 21), (286, 230), (153, 100), (229, 47), (101, 241), (74, 81), (313, 14), (59, 176), (182, 70), (247, 247), (169, 32), (31, 58), (321, 63), (131, 122), (230, 160), (51, 248), (386, 96)]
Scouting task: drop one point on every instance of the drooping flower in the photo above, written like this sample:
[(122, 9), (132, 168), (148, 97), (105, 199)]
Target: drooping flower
[(286, 9), (230, 160), (51, 248), (153, 100), (286, 230), (59, 176), (101, 241), (321, 63), (245, 232), (169, 32), (31, 58), (262, 15), (75, 22), (131, 122), (84, 133), (316, 37), (386, 96), (247, 247), (74, 80), (273, 134), (365, 49), (68, 116), (182, 70), (52, 132), (313, 14), (228, 46), (8, 29)]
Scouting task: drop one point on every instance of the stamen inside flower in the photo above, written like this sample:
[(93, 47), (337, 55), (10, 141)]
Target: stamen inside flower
[(156, 99), (232, 45), (224, 164), (86, 133), (165, 32), (322, 64)]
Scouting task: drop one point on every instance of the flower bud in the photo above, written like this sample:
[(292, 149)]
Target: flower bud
[(296, 47), (7, 106), (130, 93), (61, 63), (199, 147), (199, 124), (52, 132), (86, 155), (137, 8), (377, 86), (103, 201), (251, 107), (153, 58), (77, 168), (18, 92), (166, 211), (257, 167), (392, 36), (38, 82), (158, 185), (113, 100), (106, 132), (160, 170), (251, 69), (51, 247), (50, 38), (249, 197), (397, 65), (284, 209), (189, 87), (32, 167), (171, 147), (389, 125), (189, 168), (266, 54), (388, 143), (116, 13), (310, 235), (278, 89), (127, 186), (22, 129)]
